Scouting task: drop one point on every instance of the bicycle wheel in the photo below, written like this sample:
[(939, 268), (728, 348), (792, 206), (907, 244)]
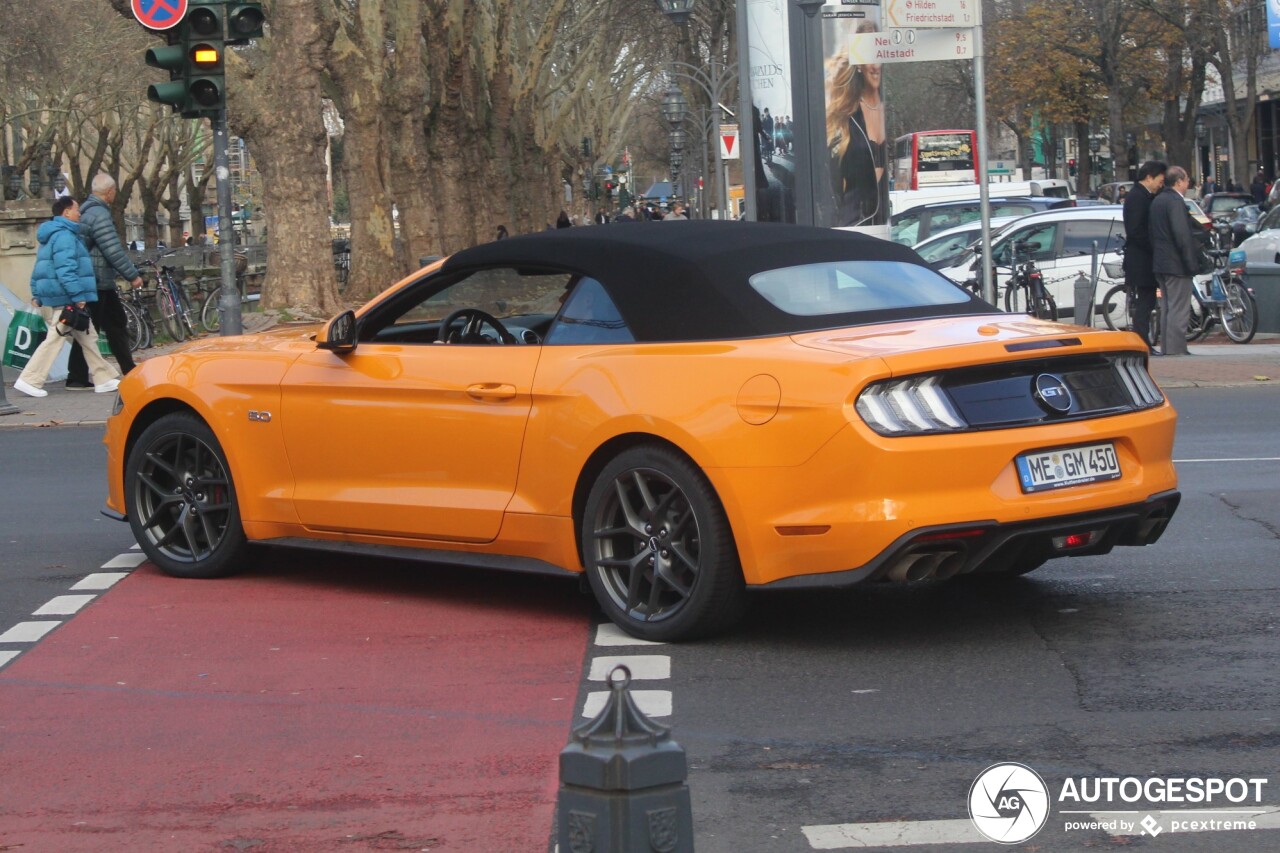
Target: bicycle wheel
[(1199, 320), (1044, 307), (133, 327), (1239, 313), (1115, 309), (209, 316), (169, 314), (1013, 301)]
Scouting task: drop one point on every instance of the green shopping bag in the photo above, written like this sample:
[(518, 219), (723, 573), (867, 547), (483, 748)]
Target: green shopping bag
[(104, 348), (26, 332)]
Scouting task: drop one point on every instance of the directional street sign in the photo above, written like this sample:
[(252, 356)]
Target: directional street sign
[(923, 14), (729, 142), (159, 14), (911, 45)]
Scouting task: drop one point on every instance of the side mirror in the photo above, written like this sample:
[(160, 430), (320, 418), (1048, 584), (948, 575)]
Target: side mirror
[(339, 334)]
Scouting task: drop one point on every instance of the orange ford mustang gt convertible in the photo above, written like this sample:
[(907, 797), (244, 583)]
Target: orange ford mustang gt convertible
[(680, 411)]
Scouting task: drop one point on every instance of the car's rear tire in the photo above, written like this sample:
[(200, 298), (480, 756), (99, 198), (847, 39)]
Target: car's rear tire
[(181, 500), (657, 547)]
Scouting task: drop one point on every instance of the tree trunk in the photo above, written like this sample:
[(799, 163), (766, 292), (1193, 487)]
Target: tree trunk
[(173, 205), (357, 64), (277, 108)]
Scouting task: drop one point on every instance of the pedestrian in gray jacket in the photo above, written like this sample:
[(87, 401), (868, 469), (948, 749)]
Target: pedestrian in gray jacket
[(1174, 259), (98, 231)]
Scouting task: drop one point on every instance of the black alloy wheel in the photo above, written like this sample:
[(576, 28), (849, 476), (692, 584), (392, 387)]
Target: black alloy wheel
[(658, 550), (181, 500)]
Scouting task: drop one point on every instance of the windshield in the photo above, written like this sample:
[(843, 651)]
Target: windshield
[(852, 287)]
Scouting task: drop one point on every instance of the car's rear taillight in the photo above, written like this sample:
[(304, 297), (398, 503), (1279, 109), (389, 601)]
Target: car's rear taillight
[(1138, 382), (907, 406)]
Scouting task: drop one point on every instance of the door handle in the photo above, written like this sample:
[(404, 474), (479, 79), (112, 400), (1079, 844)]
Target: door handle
[(491, 391)]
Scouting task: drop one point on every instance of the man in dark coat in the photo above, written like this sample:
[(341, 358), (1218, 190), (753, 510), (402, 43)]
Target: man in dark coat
[(98, 231), (1174, 260), (1138, 274)]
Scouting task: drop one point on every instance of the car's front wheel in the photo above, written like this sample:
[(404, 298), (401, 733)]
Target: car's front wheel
[(181, 500), (658, 550)]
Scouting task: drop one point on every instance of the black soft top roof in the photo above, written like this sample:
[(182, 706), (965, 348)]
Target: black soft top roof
[(689, 280)]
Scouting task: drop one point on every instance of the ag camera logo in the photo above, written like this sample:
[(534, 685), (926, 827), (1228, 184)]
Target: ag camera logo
[(1009, 803)]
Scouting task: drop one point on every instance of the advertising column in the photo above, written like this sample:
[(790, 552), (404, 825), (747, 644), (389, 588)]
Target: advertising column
[(856, 125), (836, 169), (772, 156)]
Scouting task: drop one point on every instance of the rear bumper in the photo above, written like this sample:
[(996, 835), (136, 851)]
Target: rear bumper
[(989, 546)]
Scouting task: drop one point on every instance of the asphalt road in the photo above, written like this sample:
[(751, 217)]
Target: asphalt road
[(882, 704)]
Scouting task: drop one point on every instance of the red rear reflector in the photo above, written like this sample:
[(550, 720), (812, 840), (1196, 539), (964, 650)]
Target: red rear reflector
[(802, 529), (1075, 540), (953, 534)]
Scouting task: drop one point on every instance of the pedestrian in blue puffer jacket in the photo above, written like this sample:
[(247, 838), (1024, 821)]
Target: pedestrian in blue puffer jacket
[(98, 230), (63, 276)]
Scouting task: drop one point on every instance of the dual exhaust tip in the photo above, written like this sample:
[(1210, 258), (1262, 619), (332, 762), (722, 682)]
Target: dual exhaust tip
[(934, 563)]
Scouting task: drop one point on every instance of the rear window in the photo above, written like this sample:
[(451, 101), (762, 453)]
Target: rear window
[(851, 287), (1226, 205)]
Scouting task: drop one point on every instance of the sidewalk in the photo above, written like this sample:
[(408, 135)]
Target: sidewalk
[(1215, 362)]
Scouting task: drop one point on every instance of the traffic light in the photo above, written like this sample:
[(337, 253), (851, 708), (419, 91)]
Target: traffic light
[(1071, 167), (206, 47), (608, 189), (194, 58), (244, 22)]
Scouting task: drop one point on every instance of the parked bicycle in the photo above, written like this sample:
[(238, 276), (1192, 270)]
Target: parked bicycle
[(172, 302), (1224, 299), (1026, 293), (1117, 303), (210, 316), (138, 320)]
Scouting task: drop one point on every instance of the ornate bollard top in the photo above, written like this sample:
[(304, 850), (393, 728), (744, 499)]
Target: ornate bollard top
[(621, 748)]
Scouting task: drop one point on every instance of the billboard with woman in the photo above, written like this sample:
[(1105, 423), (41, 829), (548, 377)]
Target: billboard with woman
[(857, 130)]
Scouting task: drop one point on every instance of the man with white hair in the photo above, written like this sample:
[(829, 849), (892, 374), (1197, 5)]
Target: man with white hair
[(98, 230)]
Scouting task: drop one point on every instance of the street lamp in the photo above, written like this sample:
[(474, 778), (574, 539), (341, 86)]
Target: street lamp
[(677, 139), (714, 82), (677, 10), (674, 106)]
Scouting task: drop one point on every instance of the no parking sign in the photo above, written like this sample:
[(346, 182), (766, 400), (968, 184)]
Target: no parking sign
[(159, 14)]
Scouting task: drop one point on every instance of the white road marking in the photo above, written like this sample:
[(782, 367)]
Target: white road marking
[(5, 657), (1232, 459), (609, 634), (28, 632), (643, 667), (1263, 817), (101, 580), (125, 561), (847, 836), (63, 605), (654, 703)]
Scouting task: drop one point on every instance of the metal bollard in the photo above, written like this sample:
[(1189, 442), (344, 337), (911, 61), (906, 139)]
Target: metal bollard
[(1083, 299), (6, 408), (622, 783)]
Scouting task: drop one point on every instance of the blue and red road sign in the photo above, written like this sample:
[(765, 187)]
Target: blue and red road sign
[(159, 14)]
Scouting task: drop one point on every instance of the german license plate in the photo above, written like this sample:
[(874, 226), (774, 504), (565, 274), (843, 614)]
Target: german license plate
[(1068, 466)]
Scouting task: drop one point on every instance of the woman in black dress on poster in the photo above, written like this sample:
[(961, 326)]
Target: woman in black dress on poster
[(857, 142)]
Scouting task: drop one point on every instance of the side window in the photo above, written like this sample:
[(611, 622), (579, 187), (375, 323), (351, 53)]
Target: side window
[(1041, 239), (519, 299), (1078, 237), (1271, 220), (1011, 209), (905, 229), (589, 317)]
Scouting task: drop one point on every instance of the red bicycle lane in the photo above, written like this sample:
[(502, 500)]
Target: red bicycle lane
[(340, 707)]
